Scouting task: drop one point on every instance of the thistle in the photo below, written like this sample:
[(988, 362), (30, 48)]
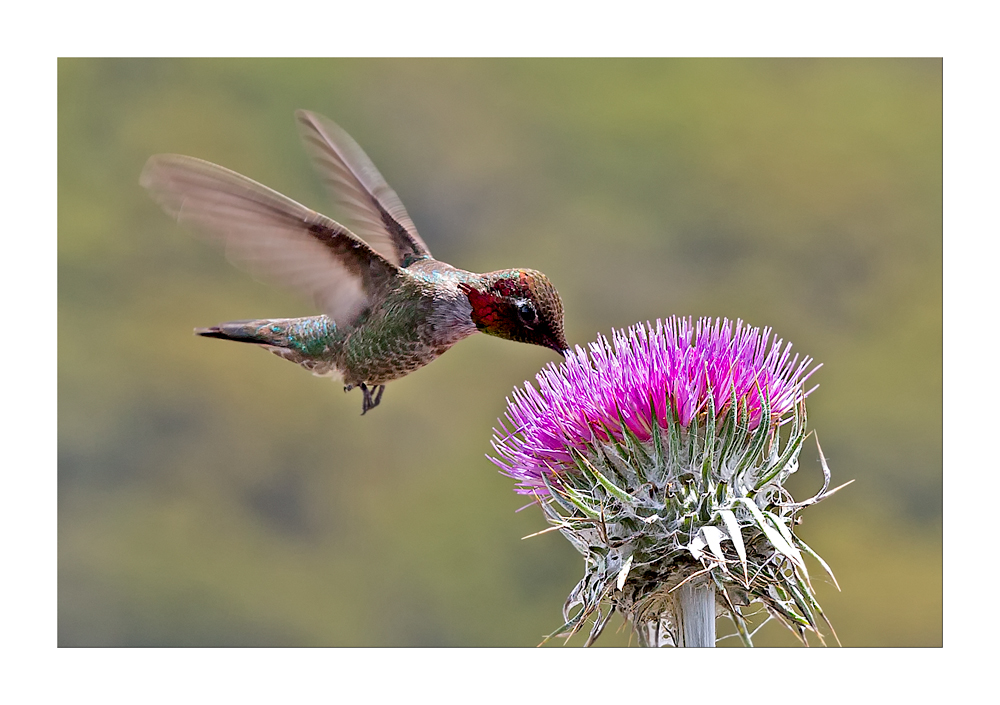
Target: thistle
[(662, 458)]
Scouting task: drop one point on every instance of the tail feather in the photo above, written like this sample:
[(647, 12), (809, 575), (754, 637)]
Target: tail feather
[(240, 331), (310, 342)]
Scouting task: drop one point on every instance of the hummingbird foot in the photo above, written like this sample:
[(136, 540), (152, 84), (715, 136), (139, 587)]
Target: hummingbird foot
[(369, 403)]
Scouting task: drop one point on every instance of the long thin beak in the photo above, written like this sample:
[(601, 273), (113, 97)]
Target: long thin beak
[(560, 347)]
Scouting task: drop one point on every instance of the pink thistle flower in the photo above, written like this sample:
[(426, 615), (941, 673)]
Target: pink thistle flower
[(662, 374), (661, 456)]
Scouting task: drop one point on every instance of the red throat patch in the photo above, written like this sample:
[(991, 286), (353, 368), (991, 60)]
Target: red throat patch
[(484, 312)]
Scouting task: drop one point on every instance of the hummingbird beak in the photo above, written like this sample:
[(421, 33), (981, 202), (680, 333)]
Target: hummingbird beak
[(559, 345)]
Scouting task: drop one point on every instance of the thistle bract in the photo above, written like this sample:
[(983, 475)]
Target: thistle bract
[(661, 455)]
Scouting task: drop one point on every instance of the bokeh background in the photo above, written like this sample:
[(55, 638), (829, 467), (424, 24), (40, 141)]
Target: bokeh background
[(212, 494)]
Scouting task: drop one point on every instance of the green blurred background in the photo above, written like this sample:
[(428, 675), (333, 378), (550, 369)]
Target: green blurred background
[(212, 494)]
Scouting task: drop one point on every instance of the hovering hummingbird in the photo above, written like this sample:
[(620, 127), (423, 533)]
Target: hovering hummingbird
[(388, 306)]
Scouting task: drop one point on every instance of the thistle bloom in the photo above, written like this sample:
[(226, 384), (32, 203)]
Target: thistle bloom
[(661, 456)]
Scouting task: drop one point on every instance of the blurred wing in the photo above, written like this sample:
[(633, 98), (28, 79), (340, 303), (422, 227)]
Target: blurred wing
[(376, 213), (269, 234)]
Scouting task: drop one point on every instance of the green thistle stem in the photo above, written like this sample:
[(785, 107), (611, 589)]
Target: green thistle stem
[(695, 616)]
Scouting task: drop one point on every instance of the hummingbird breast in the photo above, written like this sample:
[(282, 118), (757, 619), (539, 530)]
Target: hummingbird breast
[(423, 315)]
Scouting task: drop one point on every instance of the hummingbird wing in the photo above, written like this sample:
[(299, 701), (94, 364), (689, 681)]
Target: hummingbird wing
[(271, 235), (375, 211)]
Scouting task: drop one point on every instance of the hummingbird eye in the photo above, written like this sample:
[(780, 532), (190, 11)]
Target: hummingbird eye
[(526, 312)]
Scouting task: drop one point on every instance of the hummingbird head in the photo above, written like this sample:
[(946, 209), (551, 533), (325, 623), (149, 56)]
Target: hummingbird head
[(520, 305)]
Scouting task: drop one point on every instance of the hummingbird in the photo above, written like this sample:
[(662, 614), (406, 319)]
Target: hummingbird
[(388, 306)]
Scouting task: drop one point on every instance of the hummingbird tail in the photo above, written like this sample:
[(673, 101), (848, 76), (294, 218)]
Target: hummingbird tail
[(240, 331), (310, 342)]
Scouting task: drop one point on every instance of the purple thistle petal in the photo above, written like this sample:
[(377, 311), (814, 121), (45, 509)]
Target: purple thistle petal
[(674, 364)]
